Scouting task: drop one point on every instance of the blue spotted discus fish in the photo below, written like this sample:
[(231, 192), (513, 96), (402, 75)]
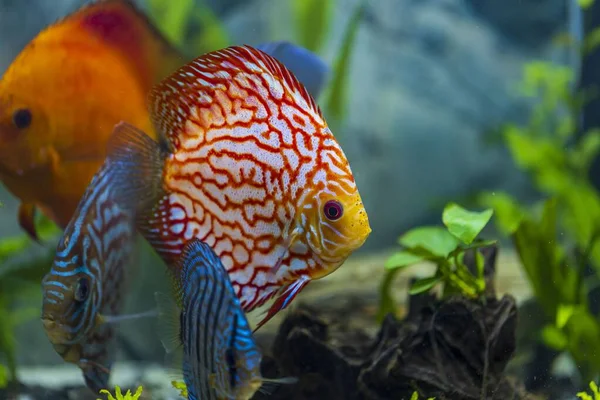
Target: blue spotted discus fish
[(82, 293), (220, 357)]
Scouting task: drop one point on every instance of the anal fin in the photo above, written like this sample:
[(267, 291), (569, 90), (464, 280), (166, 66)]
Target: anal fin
[(96, 376)]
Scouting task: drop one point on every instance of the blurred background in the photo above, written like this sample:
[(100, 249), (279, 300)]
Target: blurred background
[(420, 94)]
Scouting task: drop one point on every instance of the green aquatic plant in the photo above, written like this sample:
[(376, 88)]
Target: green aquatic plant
[(595, 392), (556, 278), (415, 396), (181, 386), (3, 376), (445, 247), (20, 278), (191, 25), (556, 238), (336, 96), (120, 396), (313, 21)]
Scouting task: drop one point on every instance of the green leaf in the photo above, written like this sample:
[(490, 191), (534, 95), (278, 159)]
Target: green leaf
[(585, 3), (213, 35), (507, 210), (480, 264), (563, 314), (3, 376), (337, 96), (47, 230), (172, 18), (415, 396), (534, 153), (28, 268), (583, 332), (402, 259), (464, 224), (541, 256), (585, 396), (313, 18), (386, 301), (554, 338), (586, 150), (433, 239), (24, 314), (424, 284)]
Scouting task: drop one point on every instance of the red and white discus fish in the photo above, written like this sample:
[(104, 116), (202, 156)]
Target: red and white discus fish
[(247, 165)]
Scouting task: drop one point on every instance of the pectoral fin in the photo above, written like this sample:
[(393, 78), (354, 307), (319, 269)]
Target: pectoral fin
[(288, 242), (26, 218), (284, 299), (114, 319)]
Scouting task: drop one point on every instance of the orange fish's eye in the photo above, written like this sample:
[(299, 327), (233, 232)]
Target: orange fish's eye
[(82, 290), (22, 118), (333, 210)]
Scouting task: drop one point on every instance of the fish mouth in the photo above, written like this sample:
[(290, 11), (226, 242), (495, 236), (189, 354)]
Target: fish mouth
[(362, 238), (56, 332), (13, 166)]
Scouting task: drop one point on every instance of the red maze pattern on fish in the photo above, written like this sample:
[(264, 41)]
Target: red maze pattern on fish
[(251, 149)]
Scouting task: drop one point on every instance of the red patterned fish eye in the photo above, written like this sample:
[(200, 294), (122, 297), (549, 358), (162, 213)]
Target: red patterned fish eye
[(333, 210)]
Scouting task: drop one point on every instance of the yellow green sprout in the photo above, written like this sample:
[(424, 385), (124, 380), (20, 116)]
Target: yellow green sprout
[(415, 396), (181, 387), (595, 392), (119, 395), (3, 376)]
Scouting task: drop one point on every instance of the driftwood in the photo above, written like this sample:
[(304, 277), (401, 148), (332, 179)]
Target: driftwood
[(453, 349)]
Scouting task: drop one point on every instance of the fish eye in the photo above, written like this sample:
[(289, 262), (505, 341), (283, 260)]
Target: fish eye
[(22, 118), (82, 290), (333, 210)]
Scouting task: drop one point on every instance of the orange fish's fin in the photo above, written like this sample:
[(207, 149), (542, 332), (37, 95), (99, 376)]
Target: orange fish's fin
[(122, 25), (175, 98), (284, 299), (27, 220), (138, 165)]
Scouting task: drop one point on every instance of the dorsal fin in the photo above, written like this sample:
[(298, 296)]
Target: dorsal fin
[(122, 25), (195, 83)]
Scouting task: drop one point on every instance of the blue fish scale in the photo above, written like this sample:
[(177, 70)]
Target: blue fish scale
[(213, 323)]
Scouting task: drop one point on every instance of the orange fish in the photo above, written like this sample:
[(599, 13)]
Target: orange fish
[(63, 94), (249, 166)]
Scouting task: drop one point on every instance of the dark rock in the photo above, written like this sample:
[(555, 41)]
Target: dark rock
[(450, 349), (455, 348)]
